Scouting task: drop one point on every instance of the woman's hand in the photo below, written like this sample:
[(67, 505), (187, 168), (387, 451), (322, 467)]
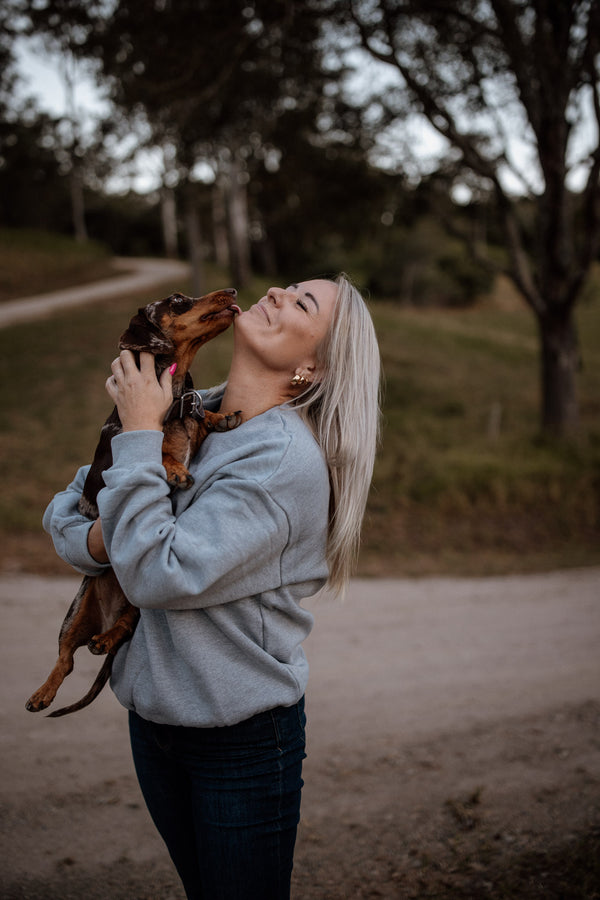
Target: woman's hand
[(95, 542), (141, 399)]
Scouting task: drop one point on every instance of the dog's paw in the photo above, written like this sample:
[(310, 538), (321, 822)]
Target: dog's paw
[(110, 641), (180, 481), (178, 477), (229, 422), (98, 646), (37, 702)]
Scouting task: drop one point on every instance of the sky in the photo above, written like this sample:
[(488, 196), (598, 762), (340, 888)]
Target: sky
[(41, 79), (41, 76), (40, 73)]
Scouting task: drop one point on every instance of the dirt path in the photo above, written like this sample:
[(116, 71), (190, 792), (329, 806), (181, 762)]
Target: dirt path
[(454, 738), (138, 274)]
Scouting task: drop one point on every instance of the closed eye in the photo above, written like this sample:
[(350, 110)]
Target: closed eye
[(308, 295)]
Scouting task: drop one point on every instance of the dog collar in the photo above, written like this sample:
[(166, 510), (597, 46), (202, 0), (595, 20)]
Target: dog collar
[(189, 405)]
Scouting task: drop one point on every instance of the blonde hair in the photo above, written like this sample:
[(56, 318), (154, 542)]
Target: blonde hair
[(343, 412), (342, 409)]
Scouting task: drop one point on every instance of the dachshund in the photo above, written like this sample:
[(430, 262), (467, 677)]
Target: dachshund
[(172, 330)]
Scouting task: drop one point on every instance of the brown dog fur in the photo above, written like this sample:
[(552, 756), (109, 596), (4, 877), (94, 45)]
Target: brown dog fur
[(100, 615)]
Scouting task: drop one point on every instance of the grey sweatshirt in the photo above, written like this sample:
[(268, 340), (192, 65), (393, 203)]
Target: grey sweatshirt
[(218, 571)]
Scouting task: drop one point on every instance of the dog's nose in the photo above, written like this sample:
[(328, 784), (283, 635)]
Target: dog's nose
[(231, 291)]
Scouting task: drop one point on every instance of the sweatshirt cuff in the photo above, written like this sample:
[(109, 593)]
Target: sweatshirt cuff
[(135, 446), (79, 555)]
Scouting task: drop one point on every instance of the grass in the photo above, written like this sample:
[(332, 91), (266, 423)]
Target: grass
[(34, 262), (50, 420), (463, 483), (463, 478)]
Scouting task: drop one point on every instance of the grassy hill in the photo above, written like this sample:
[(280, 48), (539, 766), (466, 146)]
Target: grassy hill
[(463, 481), (34, 262)]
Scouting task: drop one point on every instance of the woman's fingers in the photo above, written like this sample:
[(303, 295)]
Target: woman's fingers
[(141, 399), (116, 367), (108, 387), (125, 363), (146, 362), (126, 360), (111, 387), (166, 380)]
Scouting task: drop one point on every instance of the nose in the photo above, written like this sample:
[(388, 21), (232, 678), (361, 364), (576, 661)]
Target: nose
[(277, 295)]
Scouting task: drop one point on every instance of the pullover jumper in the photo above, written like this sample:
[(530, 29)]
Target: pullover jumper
[(218, 571)]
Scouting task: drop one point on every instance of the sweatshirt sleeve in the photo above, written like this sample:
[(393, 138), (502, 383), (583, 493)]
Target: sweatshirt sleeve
[(225, 545), (69, 528)]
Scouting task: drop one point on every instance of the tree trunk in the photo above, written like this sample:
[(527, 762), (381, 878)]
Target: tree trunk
[(78, 206), (168, 216), (239, 237), (219, 220), (194, 239), (560, 361), (266, 254)]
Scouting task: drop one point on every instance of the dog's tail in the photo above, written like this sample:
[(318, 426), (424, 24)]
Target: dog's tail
[(101, 679)]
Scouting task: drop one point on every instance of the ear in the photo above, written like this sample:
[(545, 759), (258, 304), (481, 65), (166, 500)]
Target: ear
[(310, 371), (143, 334), (303, 377)]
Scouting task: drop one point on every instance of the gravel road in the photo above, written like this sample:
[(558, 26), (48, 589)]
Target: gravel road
[(447, 716)]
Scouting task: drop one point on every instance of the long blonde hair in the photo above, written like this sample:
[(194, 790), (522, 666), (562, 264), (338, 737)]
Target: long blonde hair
[(343, 412)]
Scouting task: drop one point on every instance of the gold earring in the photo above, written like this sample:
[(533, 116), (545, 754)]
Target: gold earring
[(299, 381)]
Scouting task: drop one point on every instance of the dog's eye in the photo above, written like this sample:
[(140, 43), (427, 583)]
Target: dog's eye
[(181, 304)]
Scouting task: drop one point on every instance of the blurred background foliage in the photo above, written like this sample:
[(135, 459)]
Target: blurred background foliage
[(446, 156)]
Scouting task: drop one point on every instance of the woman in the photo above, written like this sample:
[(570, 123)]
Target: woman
[(214, 676)]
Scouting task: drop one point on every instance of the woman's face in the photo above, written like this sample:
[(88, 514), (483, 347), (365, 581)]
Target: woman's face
[(287, 325)]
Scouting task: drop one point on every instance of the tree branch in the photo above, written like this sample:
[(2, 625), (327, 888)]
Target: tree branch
[(439, 117), (518, 53), (591, 192)]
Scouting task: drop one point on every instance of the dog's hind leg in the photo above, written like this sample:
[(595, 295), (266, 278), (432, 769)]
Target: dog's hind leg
[(80, 623), (101, 679), (121, 631)]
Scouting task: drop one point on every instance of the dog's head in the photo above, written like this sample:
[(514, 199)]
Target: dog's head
[(179, 325)]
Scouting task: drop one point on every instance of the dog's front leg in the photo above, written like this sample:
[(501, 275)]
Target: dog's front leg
[(222, 421), (182, 440), (177, 452)]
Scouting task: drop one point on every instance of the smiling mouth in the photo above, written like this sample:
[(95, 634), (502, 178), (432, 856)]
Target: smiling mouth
[(264, 311)]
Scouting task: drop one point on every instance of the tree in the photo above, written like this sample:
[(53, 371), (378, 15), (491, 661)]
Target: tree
[(512, 88), (322, 204), (32, 189), (7, 62), (62, 26), (211, 78)]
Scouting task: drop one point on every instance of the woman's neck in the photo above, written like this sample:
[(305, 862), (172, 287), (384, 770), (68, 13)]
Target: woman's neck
[(253, 394)]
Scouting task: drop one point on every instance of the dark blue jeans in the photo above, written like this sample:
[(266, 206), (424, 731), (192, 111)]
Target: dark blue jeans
[(226, 801)]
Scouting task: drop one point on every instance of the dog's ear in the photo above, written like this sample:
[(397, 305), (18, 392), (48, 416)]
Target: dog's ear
[(145, 335)]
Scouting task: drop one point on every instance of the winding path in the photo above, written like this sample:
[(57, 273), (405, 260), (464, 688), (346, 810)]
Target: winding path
[(138, 273)]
